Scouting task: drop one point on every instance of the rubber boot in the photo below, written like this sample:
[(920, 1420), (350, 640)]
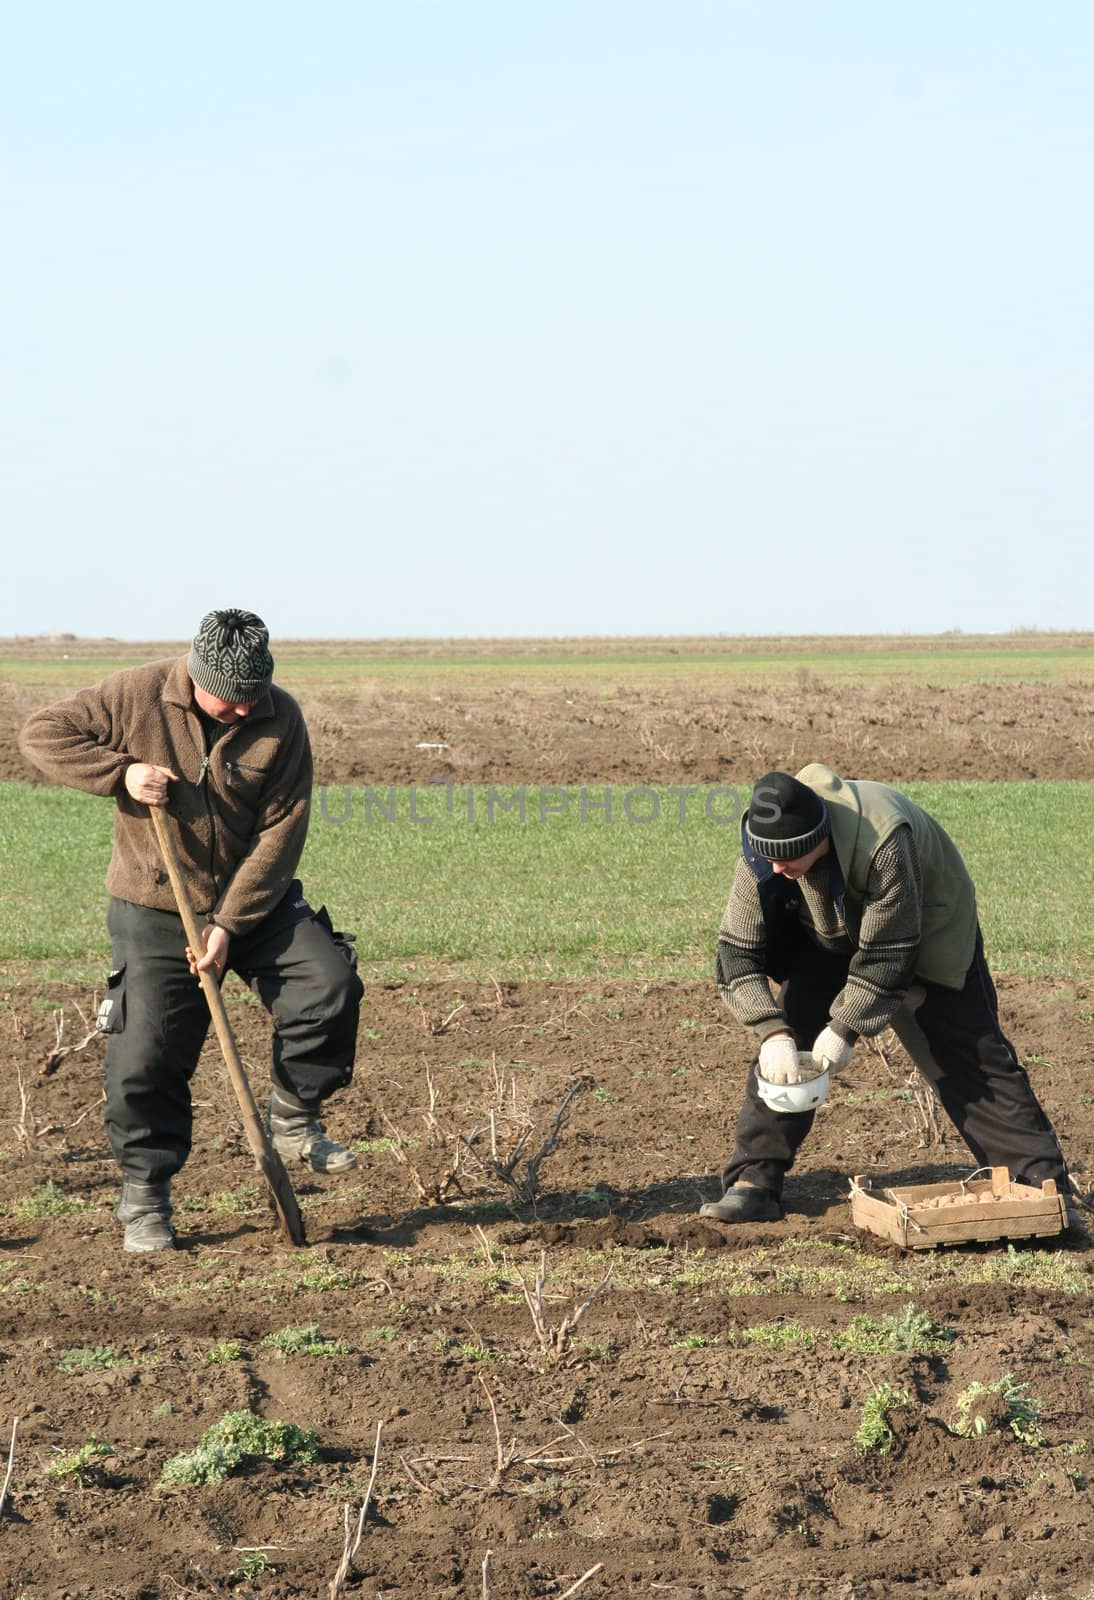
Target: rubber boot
[(743, 1203), (146, 1208), (297, 1135)]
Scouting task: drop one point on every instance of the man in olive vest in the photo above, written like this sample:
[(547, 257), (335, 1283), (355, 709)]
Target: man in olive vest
[(859, 906)]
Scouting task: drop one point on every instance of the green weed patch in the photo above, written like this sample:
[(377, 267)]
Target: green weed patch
[(307, 1341), (874, 1432), (101, 1358), (223, 1352), (48, 1201), (240, 1436), (1003, 1404), (84, 1466)]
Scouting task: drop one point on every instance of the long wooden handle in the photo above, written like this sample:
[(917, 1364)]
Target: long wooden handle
[(267, 1160)]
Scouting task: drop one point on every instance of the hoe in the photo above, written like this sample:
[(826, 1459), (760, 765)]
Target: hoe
[(267, 1160)]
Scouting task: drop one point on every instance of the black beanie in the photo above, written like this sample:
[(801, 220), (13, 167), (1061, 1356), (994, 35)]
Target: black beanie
[(785, 819), (230, 656)]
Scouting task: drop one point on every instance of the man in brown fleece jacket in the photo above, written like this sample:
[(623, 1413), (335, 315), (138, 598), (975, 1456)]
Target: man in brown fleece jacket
[(211, 737), (859, 906)]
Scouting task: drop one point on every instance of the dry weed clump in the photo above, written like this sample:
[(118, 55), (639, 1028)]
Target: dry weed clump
[(498, 1145), (28, 1131), (515, 1466), (927, 1123), (554, 1339)]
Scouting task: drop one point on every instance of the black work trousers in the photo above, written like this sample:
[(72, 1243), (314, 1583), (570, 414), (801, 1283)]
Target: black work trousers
[(157, 1017), (954, 1038)]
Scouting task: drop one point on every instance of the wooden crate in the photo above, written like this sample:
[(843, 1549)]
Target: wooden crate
[(1021, 1212)]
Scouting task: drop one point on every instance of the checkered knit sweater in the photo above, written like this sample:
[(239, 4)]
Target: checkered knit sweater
[(881, 962)]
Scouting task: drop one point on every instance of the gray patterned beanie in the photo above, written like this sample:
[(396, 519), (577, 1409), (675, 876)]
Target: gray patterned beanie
[(230, 657)]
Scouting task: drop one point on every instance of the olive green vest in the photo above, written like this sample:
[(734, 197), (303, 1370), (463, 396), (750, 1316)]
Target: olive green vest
[(863, 815)]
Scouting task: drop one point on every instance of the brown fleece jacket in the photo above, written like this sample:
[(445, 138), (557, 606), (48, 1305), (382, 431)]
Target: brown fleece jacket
[(241, 808)]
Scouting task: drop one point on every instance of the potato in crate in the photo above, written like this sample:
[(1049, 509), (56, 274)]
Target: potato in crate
[(923, 1216)]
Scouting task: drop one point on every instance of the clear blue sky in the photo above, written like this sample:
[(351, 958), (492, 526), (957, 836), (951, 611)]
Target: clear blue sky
[(547, 318)]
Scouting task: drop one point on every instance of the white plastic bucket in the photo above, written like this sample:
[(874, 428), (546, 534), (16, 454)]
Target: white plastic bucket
[(794, 1098)]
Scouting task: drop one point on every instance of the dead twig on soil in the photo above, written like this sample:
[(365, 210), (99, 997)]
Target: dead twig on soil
[(563, 1017), (53, 1128), (550, 1143), (442, 1024), (60, 1050), (582, 1581), (485, 1245), (430, 1489), (926, 1121), (509, 1455), (600, 1458), (487, 1592), (11, 1465), (26, 1129), (353, 1536), (207, 1577), (503, 1460), (434, 1460), (554, 1342), (679, 1398), (650, 743), (434, 1191)]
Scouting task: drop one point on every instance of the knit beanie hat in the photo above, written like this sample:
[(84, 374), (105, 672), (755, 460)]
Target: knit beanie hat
[(230, 656), (785, 819)]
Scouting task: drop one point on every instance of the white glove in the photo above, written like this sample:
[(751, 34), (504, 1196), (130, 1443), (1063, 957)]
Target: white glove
[(831, 1051), (779, 1060)]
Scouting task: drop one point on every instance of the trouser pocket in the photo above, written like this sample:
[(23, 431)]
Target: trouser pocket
[(344, 943), (155, 1027), (110, 1017)]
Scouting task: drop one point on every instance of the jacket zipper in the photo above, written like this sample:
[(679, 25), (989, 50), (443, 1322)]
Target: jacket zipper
[(229, 769), (203, 782), (203, 779)]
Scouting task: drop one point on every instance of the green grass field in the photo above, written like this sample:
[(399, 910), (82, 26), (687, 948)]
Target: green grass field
[(561, 897), (1034, 659)]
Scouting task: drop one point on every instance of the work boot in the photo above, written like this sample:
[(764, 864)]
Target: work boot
[(146, 1208), (297, 1135), (742, 1202)]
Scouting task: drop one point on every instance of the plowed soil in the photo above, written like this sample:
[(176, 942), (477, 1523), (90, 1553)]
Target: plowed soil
[(694, 1434), (661, 1442)]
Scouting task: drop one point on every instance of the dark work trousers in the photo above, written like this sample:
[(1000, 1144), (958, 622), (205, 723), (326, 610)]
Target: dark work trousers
[(156, 1017), (954, 1038)]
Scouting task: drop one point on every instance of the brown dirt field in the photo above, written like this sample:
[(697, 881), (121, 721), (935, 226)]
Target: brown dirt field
[(663, 1445), (698, 729), (684, 734)]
